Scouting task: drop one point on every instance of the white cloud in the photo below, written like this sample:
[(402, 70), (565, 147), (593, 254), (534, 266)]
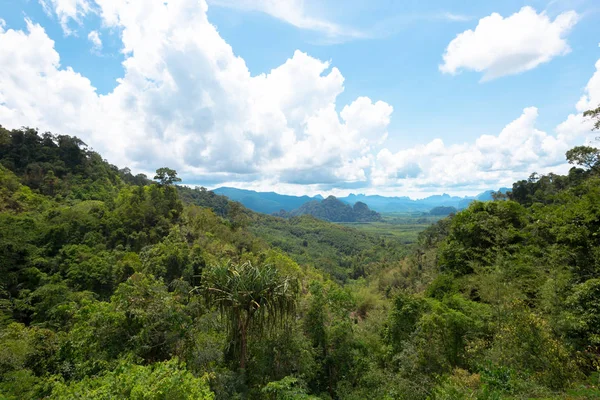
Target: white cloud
[(504, 46), (94, 37), (456, 17), (293, 12), (187, 101), (36, 91), (66, 10), (591, 98), (576, 125), (491, 161)]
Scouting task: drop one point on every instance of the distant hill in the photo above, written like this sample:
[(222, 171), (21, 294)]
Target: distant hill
[(265, 202), (487, 195), (443, 210), (270, 202), (334, 210), (405, 204)]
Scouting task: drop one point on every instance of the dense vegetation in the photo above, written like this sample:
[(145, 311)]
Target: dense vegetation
[(404, 227), (442, 210), (334, 210), (116, 286)]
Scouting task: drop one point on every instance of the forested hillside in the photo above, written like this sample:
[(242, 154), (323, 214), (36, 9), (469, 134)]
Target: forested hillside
[(334, 210), (118, 286)]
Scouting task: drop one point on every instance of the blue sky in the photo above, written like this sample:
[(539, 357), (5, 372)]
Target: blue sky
[(309, 96), (400, 64)]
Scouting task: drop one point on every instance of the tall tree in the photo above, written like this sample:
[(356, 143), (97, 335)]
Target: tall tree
[(584, 156), (595, 113), (166, 176), (249, 297)]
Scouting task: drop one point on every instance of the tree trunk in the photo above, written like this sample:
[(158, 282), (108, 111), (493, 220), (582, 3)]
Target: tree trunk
[(243, 345)]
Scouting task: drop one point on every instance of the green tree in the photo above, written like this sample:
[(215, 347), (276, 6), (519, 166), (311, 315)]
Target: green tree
[(479, 233), (585, 156), (143, 319), (166, 176), (249, 297), (583, 316), (26, 354), (164, 380), (595, 113), (288, 388)]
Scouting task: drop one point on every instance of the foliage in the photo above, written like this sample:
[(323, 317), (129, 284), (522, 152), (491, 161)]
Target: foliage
[(441, 210), (585, 156), (115, 286), (250, 297), (334, 210), (166, 176), (595, 114), (340, 251), (205, 198), (164, 380), (478, 232), (288, 388)]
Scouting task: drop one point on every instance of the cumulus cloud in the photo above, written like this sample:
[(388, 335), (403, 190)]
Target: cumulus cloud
[(67, 10), (492, 160), (504, 46), (576, 125), (36, 91), (591, 97), (94, 38), (187, 101)]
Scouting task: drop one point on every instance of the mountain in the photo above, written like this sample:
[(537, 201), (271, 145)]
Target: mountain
[(487, 195), (333, 210), (265, 202), (384, 204), (443, 210), (270, 202)]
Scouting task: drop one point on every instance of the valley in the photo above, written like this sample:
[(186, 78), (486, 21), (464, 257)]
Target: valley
[(402, 226)]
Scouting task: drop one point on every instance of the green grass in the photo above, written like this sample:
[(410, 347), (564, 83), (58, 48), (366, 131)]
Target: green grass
[(338, 250), (403, 226)]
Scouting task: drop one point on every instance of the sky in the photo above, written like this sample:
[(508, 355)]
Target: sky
[(310, 96)]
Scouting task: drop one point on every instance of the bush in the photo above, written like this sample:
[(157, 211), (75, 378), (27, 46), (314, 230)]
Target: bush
[(165, 380)]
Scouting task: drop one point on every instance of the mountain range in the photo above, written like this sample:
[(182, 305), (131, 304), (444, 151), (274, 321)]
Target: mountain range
[(271, 202)]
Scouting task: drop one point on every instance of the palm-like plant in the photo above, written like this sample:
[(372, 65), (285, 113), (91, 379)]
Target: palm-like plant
[(249, 297)]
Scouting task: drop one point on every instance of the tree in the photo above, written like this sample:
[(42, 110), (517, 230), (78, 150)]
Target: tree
[(288, 388), (163, 380), (249, 297), (499, 196), (166, 176), (585, 156), (595, 113)]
